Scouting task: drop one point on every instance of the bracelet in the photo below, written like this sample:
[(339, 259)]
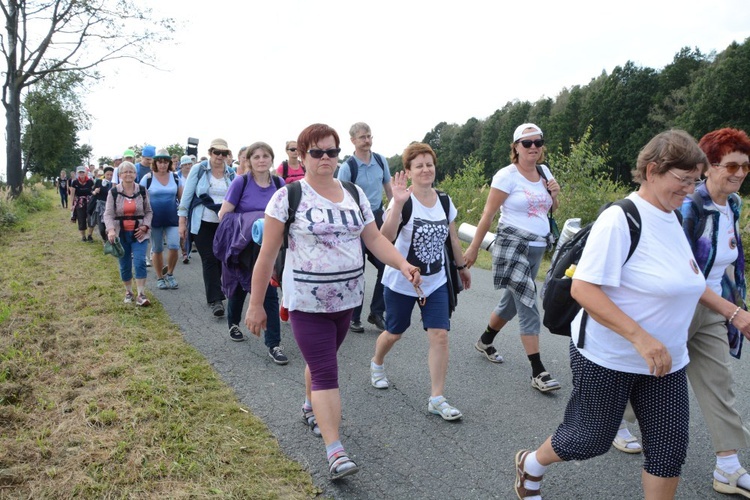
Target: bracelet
[(734, 314), (461, 268)]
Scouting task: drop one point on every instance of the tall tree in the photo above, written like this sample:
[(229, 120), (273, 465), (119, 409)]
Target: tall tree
[(46, 37)]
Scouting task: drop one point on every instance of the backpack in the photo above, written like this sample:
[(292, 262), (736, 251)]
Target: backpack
[(285, 169), (149, 178), (559, 307), (294, 195), (354, 166), (455, 285), (121, 218)]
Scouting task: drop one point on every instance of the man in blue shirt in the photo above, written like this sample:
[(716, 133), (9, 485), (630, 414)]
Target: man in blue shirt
[(369, 171), (143, 167)]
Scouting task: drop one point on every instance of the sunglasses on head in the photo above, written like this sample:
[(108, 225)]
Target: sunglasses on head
[(528, 142), (732, 167), (318, 153), (291, 149), (221, 153)]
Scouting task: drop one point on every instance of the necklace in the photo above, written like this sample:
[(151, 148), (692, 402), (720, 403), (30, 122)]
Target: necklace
[(722, 210)]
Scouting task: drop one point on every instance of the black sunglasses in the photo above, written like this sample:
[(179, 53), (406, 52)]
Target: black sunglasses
[(291, 149), (318, 153), (528, 142), (221, 153)]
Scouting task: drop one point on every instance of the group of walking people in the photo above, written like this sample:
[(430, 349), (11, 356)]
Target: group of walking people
[(672, 311)]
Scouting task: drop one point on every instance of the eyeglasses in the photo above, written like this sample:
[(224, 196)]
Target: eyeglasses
[(365, 137), (528, 142), (318, 153), (221, 153), (732, 167), (291, 149), (686, 181)]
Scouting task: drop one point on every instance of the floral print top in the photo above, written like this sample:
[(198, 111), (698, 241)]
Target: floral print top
[(324, 269)]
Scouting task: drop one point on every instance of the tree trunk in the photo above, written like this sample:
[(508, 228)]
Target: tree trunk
[(13, 141)]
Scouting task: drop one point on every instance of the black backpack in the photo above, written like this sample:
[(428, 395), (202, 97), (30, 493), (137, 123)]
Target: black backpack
[(455, 285), (559, 307), (294, 194), (285, 169)]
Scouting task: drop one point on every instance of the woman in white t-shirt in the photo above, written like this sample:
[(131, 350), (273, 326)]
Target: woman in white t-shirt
[(421, 239), (636, 334), (323, 278), (525, 191)]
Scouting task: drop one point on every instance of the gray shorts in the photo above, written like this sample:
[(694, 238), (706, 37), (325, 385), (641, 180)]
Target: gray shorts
[(510, 305)]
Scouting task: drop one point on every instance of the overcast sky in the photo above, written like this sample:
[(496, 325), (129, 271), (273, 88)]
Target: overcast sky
[(263, 70)]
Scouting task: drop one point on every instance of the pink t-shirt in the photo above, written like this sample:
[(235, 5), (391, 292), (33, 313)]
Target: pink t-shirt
[(294, 174)]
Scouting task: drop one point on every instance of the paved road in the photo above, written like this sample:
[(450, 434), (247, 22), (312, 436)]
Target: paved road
[(406, 452)]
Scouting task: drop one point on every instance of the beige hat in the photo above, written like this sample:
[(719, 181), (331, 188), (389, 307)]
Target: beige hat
[(220, 144)]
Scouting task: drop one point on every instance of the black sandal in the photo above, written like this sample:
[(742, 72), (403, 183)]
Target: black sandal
[(308, 417)]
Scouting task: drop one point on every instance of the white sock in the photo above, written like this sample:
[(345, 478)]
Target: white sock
[(532, 466), (730, 465), (377, 367)]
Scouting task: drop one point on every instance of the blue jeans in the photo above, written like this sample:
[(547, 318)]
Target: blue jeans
[(272, 335), (135, 255)]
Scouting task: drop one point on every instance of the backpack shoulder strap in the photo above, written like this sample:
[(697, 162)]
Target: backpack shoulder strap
[(353, 169), (445, 201), (634, 223), (149, 178), (276, 182), (380, 162), (142, 190), (176, 179), (405, 215), (352, 188), (285, 169), (294, 195)]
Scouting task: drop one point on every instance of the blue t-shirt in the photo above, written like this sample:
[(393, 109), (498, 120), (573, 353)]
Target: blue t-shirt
[(163, 200), (370, 177)]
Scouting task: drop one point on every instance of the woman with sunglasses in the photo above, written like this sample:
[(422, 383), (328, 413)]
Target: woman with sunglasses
[(711, 220), (164, 191), (291, 169), (323, 279), (421, 239), (202, 196), (524, 197)]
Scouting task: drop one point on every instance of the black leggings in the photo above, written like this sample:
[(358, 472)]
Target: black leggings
[(204, 242)]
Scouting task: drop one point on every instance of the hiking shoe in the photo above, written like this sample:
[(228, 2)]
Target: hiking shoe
[(148, 262), (128, 298), (236, 334), (356, 327), (377, 320), (544, 382), (83, 239), (278, 356), (171, 282), (378, 378), (142, 300), (161, 284), (444, 409), (185, 258), (217, 308), (90, 239), (489, 351)]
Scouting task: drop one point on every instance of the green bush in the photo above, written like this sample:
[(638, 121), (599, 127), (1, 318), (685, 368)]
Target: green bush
[(468, 189), (584, 181), (14, 210)]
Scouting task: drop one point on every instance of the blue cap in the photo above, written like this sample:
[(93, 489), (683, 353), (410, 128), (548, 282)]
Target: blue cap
[(148, 151)]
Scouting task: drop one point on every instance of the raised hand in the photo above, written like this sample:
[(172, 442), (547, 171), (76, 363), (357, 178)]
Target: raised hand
[(401, 192)]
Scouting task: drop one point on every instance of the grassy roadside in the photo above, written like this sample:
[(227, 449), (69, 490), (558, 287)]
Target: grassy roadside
[(100, 399)]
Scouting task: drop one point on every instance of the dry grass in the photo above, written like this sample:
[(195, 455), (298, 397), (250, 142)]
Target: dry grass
[(99, 399)]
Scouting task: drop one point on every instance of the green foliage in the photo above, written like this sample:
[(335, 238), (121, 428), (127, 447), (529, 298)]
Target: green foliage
[(14, 210), (468, 189), (585, 184), (176, 149)]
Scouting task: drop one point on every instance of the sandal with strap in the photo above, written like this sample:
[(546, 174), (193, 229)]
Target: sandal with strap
[(622, 444), (308, 417), (489, 351), (338, 467), (731, 488), (522, 476), (378, 379), (445, 410)]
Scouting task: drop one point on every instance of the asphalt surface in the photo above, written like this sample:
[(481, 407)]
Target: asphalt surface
[(405, 452)]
